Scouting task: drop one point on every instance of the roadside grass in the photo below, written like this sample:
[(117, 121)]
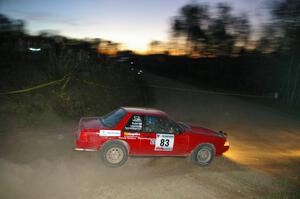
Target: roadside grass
[(285, 189), (284, 194), (95, 87)]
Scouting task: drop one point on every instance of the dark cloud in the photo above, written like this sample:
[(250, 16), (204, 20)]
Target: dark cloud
[(43, 17)]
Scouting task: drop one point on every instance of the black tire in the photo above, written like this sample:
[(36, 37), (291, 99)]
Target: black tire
[(114, 154), (203, 155)]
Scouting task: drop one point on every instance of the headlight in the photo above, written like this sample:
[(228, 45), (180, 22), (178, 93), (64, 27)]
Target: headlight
[(226, 143)]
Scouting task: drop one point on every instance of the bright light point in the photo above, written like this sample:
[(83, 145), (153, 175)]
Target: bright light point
[(226, 143), (35, 49)]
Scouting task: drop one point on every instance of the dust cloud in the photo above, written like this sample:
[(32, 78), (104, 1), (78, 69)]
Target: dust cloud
[(39, 162)]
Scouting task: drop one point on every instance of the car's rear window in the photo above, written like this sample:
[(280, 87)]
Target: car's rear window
[(113, 118)]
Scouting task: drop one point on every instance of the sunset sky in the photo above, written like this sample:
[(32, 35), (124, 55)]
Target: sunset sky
[(133, 23)]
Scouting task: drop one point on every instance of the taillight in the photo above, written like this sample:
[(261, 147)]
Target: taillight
[(83, 136)]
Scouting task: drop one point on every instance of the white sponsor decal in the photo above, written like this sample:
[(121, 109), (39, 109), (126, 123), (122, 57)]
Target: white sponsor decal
[(109, 133), (137, 118), (164, 142)]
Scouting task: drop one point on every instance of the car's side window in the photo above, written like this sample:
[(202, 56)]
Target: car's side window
[(157, 124), (135, 123), (150, 124)]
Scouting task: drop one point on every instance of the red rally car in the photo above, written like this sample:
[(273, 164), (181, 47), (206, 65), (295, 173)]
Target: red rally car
[(130, 131)]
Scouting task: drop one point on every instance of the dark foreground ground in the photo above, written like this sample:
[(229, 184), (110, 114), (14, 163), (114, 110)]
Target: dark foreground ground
[(264, 157)]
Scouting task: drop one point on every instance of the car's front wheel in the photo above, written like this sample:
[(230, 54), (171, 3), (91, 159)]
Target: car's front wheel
[(114, 154), (203, 155)]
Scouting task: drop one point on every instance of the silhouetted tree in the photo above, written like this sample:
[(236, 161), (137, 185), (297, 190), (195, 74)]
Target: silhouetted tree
[(221, 31), (287, 19), (242, 30), (271, 39), (191, 25), (211, 35), (157, 47), (12, 33), (109, 47), (5, 23)]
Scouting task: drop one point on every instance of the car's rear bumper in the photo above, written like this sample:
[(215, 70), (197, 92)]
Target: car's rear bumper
[(82, 146)]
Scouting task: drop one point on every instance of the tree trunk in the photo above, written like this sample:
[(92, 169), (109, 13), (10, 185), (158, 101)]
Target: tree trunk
[(288, 80)]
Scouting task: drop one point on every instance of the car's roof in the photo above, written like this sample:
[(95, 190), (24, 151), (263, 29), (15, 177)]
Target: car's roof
[(144, 111)]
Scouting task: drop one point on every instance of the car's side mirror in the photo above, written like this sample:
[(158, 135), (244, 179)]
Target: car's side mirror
[(178, 131)]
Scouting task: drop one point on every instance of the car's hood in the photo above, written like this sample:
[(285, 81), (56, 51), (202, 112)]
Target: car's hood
[(90, 123), (201, 130)]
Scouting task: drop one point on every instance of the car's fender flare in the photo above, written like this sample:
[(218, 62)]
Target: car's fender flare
[(120, 141)]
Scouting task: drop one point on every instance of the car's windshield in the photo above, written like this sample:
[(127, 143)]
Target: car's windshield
[(183, 125), (113, 118), (177, 127)]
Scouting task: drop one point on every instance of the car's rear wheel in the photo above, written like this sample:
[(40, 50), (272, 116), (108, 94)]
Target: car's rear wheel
[(203, 155), (114, 154)]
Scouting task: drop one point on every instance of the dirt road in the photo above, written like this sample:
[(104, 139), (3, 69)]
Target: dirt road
[(260, 137), (39, 163)]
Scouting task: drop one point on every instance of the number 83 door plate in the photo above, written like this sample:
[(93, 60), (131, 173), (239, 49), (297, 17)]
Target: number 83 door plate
[(164, 142)]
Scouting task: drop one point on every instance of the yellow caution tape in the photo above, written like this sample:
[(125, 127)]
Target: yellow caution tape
[(34, 87), (67, 78)]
